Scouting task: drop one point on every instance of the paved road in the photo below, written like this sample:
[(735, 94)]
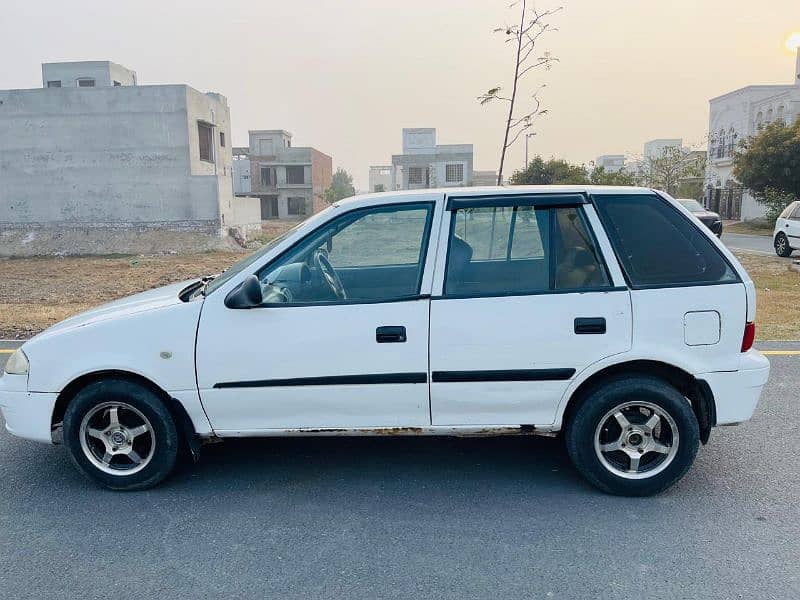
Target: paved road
[(755, 243), (429, 518)]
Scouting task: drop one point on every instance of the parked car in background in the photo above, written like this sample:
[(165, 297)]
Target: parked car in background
[(786, 236), (709, 218), (606, 313)]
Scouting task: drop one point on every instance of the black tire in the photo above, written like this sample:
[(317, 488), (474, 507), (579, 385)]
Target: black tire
[(161, 458), (612, 393), (782, 247)]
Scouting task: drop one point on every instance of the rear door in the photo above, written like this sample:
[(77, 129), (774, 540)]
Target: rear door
[(524, 302)]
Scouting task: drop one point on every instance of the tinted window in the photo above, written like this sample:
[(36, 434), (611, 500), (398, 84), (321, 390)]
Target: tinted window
[(518, 250), (658, 245)]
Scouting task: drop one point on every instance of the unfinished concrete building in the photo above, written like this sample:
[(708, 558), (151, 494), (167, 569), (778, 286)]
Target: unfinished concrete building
[(290, 182), (94, 163)]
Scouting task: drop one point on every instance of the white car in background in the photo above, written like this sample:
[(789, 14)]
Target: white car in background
[(786, 236), (610, 314)]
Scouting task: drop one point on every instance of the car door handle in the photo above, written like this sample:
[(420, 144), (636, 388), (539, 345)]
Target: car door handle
[(590, 325), (390, 334)]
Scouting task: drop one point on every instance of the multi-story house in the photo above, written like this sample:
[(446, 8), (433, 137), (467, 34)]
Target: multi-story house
[(289, 181), (734, 117), (611, 163), (424, 164)]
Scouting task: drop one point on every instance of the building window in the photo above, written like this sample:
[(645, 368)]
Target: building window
[(56, 83), (454, 173), (204, 134), (416, 175), (86, 82), (296, 206), (268, 177), (117, 84), (721, 147), (295, 175), (222, 138)]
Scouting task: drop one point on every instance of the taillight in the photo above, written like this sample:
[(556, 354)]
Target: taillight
[(749, 336)]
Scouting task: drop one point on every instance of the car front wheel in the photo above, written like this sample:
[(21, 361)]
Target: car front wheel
[(633, 436), (120, 434), (782, 247)]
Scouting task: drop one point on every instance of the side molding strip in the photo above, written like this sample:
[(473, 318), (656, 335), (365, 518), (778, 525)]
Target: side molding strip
[(506, 375), (331, 380)]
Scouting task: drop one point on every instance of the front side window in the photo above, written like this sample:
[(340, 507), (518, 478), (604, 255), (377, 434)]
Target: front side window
[(496, 251), (54, 84), (789, 210), (659, 246), (86, 82), (368, 255), (204, 134)]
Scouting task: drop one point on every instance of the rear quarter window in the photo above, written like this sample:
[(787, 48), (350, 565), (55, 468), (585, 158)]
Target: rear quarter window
[(657, 245)]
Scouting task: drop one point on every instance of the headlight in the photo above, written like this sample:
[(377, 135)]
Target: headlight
[(17, 364)]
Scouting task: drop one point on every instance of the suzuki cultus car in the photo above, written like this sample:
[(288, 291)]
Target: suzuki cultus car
[(609, 314)]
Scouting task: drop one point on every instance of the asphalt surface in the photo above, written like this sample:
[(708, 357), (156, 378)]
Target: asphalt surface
[(403, 517), (761, 244)]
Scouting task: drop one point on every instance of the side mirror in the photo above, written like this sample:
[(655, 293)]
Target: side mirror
[(245, 295)]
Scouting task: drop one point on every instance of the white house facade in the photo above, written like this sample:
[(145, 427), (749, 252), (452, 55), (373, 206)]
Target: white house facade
[(424, 164), (734, 117)]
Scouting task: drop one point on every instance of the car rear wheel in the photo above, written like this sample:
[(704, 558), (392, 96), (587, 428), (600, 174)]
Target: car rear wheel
[(633, 436), (782, 247), (120, 434)]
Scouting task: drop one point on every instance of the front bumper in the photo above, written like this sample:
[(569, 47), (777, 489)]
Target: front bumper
[(27, 414), (736, 393)]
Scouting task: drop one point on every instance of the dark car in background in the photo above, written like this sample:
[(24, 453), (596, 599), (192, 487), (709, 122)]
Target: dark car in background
[(710, 219)]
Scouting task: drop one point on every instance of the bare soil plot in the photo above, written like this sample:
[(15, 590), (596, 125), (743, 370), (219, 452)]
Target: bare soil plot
[(38, 292)]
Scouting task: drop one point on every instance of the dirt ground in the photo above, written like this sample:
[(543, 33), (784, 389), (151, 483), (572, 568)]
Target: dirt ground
[(37, 292)]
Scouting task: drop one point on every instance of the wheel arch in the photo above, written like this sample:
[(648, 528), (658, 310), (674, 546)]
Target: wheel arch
[(697, 391), (175, 407)]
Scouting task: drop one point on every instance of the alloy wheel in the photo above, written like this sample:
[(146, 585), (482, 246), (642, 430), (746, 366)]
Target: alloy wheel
[(636, 440), (117, 438)]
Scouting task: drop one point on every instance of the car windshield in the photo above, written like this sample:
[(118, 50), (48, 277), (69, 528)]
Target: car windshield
[(247, 261), (692, 205)]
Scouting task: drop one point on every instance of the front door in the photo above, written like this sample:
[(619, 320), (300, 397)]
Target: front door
[(526, 303), (341, 340)]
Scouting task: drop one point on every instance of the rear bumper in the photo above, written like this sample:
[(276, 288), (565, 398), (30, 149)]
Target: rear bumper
[(736, 393), (27, 415)]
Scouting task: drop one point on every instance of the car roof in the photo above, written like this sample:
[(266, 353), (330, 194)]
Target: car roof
[(477, 192)]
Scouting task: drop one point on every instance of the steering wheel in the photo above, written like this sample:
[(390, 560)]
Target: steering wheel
[(329, 274)]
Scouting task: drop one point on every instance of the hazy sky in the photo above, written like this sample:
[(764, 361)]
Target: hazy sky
[(346, 75)]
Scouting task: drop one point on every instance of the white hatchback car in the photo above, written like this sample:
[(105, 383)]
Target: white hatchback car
[(786, 236), (608, 313)]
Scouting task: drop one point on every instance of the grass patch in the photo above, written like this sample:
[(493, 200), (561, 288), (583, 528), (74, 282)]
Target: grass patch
[(754, 227), (778, 296)]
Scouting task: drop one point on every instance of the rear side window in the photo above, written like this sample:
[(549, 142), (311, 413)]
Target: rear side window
[(659, 246), (497, 251)]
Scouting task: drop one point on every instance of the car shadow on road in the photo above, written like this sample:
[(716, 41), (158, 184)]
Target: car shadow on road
[(436, 461)]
